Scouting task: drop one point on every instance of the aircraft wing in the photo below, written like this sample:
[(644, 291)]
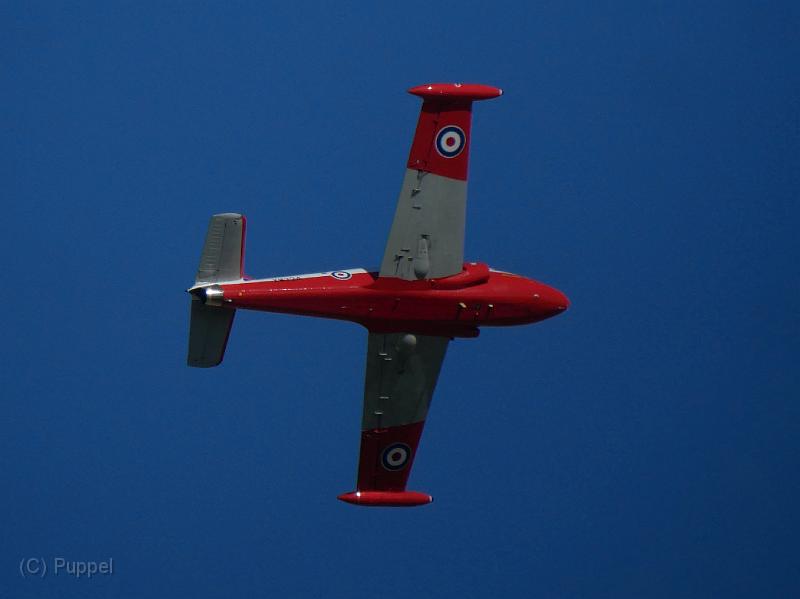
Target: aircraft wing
[(401, 374), (426, 240)]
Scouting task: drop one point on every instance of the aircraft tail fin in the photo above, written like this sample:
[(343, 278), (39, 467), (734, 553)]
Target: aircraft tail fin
[(223, 252), (221, 261)]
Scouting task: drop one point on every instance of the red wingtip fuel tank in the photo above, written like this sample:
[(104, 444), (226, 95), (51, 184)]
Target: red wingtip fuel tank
[(467, 91), (386, 498)]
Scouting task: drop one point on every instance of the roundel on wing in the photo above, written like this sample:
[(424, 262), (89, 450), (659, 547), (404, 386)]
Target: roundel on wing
[(395, 457), (450, 141)]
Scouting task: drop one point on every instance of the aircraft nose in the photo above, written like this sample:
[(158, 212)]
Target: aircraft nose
[(550, 300)]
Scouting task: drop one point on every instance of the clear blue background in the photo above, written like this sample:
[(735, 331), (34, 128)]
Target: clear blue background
[(644, 160)]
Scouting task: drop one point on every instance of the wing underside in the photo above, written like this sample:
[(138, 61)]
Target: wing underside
[(401, 375), (427, 236), (426, 241)]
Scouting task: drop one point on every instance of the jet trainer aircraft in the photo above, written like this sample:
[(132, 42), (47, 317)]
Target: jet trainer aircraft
[(423, 296)]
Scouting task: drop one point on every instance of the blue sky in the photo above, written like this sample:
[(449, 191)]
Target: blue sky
[(644, 160)]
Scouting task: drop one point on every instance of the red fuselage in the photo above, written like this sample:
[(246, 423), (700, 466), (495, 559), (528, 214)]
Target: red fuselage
[(453, 306)]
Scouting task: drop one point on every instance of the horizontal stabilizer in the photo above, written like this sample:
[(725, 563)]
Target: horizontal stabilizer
[(209, 327), (222, 261), (223, 252)]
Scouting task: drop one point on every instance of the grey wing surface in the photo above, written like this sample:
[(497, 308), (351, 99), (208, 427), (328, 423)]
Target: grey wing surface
[(401, 376), (426, 240)]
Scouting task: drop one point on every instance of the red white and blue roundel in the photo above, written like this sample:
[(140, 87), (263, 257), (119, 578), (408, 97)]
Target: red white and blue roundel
[(395, 457), (450, 141), (342, 275)]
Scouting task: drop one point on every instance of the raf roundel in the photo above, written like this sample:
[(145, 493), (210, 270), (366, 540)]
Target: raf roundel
[(395, 457), (342, 275), (450, 141)]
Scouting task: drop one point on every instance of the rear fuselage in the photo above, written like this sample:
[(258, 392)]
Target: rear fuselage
[(453, 306)]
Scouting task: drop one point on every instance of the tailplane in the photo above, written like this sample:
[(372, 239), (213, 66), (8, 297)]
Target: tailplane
[(222, 261)]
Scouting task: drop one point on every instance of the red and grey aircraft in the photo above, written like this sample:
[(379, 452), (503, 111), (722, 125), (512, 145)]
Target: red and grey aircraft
[(423, 296)]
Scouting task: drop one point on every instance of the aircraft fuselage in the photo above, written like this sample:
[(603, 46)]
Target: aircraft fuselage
[(453, 306)]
